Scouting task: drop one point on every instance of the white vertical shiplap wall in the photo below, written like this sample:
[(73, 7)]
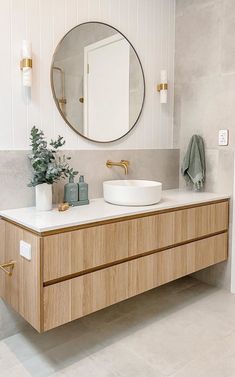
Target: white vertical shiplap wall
[(149, 24)]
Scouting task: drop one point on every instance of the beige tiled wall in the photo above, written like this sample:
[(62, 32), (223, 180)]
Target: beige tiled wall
[(205, 94), (161, 165)]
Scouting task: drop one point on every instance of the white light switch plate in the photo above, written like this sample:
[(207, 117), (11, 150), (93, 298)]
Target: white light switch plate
[(25, 250), (223, 137)]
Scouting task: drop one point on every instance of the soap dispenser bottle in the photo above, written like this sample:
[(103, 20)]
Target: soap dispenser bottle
[(71, 189), (82, 191)]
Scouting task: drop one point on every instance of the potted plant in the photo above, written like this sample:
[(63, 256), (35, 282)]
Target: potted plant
[(48, 168)]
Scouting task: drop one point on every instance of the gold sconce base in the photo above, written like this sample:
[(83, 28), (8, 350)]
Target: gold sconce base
[(26, 63), (162, 87)]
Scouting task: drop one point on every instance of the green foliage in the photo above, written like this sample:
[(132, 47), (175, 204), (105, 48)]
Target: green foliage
[(72, 173), (47, 167)]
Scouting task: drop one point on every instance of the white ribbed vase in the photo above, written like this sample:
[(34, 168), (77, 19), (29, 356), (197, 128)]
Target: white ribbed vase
[(43, 197)]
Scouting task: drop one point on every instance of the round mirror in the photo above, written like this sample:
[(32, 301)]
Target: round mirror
[(97, 82)]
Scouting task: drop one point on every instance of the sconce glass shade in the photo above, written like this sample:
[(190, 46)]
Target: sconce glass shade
[(26, 63)]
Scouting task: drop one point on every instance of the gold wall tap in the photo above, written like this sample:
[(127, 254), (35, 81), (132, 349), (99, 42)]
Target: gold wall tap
[(123, 163)]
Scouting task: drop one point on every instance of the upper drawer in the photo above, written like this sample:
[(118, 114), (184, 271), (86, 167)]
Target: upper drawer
[(171, 228), (76, 251), (71, 252)]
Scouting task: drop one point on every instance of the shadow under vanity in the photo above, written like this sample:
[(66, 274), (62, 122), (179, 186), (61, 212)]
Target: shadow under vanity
[(90, 257)]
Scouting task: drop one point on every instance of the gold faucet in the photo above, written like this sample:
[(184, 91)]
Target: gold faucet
[(123, 163)]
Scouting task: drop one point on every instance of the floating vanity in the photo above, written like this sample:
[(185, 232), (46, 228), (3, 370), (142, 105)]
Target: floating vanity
[(94, 256)]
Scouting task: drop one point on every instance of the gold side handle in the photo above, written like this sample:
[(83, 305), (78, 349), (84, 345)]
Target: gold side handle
[(9, 265)]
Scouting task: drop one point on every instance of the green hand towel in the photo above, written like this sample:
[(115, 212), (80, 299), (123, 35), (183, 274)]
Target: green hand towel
[(194, 165)]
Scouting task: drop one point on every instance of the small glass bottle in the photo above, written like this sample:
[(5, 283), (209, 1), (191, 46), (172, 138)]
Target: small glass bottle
[(82, 191), (71, 191)]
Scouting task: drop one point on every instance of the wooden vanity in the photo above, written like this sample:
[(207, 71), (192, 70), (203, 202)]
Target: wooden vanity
[(79, 268)]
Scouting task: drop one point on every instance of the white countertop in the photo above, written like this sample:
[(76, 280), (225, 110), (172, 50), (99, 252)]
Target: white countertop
[(99, 210)]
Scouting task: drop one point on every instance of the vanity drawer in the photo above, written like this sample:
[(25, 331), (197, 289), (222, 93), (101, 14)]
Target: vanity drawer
[(80, 250), (72, 252), (77, 297), (175, 227)]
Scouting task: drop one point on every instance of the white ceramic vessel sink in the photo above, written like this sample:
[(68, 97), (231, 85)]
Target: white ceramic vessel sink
[(132, 192)]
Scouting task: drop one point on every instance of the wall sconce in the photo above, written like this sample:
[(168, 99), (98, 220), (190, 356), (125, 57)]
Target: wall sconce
[(26, 63), (163, 87)]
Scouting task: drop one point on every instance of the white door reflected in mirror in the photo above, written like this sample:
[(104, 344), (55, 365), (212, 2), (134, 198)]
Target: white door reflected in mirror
[(106, 88)]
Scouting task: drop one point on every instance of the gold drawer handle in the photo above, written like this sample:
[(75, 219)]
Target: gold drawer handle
[(9, 265)]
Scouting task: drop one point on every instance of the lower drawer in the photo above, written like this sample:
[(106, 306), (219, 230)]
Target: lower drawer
[(77, 297)]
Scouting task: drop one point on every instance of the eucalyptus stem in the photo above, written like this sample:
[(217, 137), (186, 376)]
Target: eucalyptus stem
[(47, 166)]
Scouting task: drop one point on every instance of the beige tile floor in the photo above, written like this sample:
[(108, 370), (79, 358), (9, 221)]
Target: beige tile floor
[(183, 329)]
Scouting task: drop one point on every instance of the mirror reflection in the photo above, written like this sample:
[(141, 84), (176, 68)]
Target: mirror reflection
[(97, 82)]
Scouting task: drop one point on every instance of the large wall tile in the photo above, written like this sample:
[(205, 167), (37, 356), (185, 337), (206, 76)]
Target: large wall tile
[(183, 6), (197, 35), (14, 177), (206, 105), (228, 37)]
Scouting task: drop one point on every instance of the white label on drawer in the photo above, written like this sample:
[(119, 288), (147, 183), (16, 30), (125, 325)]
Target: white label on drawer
[(25, 250)]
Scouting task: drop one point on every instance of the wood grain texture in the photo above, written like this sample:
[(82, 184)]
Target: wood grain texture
[(76, 251), (154, 232), (23, 289), (74, 298), (73, 252)]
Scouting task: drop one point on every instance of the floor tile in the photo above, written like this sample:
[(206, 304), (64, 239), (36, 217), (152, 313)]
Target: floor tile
[(87, 367), (185, 328), (124, 362), (8, 358), (16, 371)]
